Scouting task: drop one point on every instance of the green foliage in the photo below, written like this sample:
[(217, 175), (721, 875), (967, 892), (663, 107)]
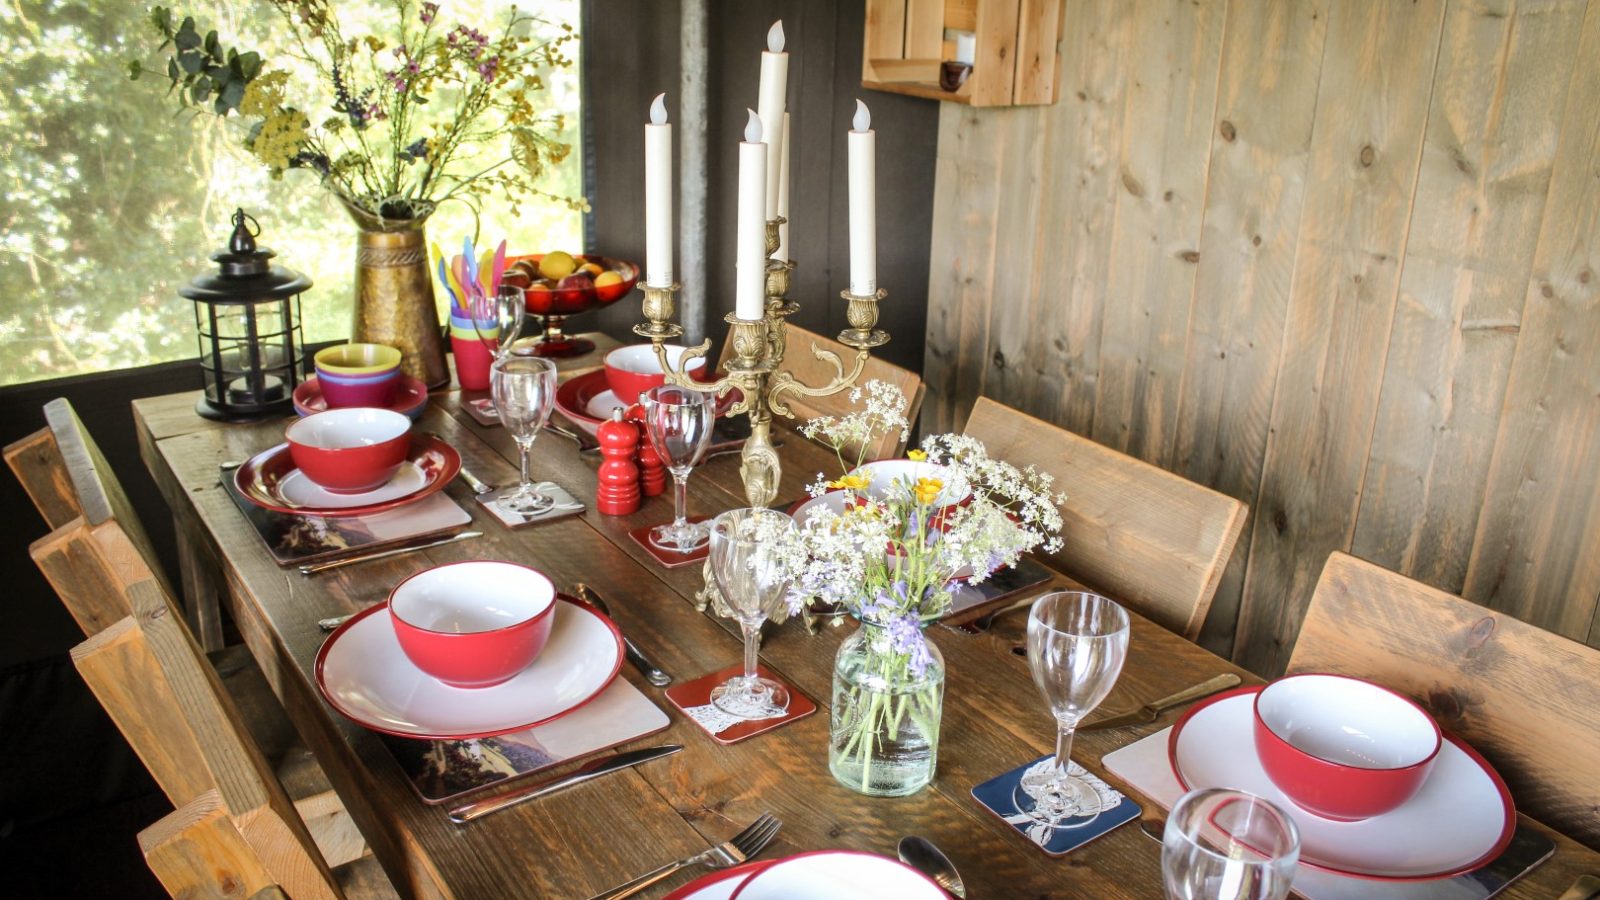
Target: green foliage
[(110, 204)]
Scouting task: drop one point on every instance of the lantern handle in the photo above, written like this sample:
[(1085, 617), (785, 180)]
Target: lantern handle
[(245, 230)]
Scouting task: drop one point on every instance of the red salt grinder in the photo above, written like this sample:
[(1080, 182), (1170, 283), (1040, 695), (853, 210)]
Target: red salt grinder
[(618, 491), (652, 471)]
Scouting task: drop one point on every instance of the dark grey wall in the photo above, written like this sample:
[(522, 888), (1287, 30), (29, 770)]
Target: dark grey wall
[(640, 59)]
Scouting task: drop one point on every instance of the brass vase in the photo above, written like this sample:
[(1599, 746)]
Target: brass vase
[(394, 294)]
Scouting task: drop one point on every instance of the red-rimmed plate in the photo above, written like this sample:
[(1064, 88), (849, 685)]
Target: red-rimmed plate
[(410, 398), (582, 399), (1460, 820), (718, 885), (271, 480), (837, 875), (363, 673)]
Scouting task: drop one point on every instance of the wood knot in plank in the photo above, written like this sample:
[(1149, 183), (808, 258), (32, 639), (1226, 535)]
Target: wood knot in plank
[(1546, 290), (1585, 276), (1190, 256), (1482, 631), (1368, 155), (1446, 705), (1280, 521), (1228, 131), (999, 360), (1132, 184)]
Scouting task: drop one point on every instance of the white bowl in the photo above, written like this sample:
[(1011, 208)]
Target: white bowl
[(888, 474), (341, 429), (1348, 721)]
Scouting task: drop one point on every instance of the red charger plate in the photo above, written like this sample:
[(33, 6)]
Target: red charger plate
[(260, 479), (573, 396), (410, 398)]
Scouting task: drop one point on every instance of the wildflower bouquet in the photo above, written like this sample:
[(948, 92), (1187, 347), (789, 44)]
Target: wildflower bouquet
[(889, 544), (434, 112)]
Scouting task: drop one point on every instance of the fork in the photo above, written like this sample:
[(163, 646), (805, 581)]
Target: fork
[(742, 847)]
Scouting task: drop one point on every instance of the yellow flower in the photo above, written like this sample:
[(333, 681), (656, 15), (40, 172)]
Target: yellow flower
[(927, 489), (852, 482), (263, 94), (916, 455)]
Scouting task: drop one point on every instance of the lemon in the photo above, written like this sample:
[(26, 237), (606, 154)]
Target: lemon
[(557, 265), (605, 279)]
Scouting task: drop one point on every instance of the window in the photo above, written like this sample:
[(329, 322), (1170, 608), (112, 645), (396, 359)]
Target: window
[(113, 199)]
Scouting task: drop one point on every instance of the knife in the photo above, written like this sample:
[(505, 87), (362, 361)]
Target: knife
[(361, 558), (592, 769), (1586, 887), (1148, 713)]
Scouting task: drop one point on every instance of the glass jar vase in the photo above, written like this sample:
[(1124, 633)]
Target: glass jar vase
[(884, 740)]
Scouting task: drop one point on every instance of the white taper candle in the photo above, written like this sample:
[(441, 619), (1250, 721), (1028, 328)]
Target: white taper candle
[(659, 271), (750, 263), (770, 105), (783, 194), (863, 204)]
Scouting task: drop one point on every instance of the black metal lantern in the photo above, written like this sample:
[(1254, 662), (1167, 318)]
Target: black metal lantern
[(248, 318)]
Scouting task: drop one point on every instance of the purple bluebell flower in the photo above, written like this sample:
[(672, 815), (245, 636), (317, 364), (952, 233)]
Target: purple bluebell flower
[(429, 12), (905, 636)]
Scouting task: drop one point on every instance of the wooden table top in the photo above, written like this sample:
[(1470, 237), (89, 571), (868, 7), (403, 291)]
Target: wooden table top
[(583, 840)]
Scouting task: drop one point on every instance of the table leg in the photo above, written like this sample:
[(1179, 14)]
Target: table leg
[(201, 598)]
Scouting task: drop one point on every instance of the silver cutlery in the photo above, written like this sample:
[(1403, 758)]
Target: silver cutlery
[(744, 845), (478, 485), (1587, 887), (983, 622), (477, 809), (332, 623), (921, 854), (651, 672), (1150, 711), (352, 560), (585, 442)]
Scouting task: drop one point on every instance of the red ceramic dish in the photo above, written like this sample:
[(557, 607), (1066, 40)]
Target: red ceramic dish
[(262, 480), (410, 397), (349, 451), (634, 369), (573, 396), (571, 301), (473, 624), (1343, 748)]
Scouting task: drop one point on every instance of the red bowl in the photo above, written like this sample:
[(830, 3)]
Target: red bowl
[(1343, 748), (561, 301), (350, 450), (473, 624), (634, 369)]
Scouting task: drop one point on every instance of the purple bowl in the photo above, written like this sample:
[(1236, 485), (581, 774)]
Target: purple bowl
[(366, 390)]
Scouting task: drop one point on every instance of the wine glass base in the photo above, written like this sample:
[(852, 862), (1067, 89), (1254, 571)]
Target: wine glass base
[(527, 501), (1068, 802), (674, 538), (754, 698)]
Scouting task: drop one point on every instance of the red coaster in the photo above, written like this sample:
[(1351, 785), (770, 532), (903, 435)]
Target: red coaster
[(698, 693), (667, 558)]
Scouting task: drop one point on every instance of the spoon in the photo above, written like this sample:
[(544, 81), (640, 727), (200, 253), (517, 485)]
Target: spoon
[(920, 854)]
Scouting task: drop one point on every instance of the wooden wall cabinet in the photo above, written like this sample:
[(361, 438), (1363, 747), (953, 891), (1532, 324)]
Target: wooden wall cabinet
[(1015, 62)]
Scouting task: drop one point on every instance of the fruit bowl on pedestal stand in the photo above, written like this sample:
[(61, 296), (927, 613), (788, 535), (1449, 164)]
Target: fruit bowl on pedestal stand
[(560, 284)]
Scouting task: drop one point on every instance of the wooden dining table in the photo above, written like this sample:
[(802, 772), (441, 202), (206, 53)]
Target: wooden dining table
[(583, 840)]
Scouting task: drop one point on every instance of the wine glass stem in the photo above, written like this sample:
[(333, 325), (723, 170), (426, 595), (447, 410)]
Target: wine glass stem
[(752, 643), (680, 499), (1064, 735), (524, 453)]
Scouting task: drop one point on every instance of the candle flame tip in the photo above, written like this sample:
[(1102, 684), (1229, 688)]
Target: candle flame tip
[(775, 37), (752, 127), (658, 109), (863, 117)]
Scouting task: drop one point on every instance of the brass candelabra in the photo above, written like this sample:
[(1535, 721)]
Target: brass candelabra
[(755, 366)]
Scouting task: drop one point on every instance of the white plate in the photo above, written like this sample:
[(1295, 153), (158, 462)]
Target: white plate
[(717, 885), (838, 875), (895, 476), (302, 491), (1460, 819), (364, 674), (601, 404)]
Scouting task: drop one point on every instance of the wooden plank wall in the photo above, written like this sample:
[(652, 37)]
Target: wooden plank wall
[(1335, 258)]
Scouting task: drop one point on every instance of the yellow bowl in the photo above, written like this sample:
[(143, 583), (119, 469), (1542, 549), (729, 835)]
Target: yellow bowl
[(358, 359)]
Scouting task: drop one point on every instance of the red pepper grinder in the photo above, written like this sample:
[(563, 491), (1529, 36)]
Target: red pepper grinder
[(652, 471), (618, 491)]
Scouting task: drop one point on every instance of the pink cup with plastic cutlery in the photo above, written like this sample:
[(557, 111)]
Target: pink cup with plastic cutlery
[(473, 624), (1343, 748)]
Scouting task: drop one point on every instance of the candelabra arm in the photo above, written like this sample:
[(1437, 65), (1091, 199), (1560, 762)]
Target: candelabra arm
[(679, 375), (785, 383)]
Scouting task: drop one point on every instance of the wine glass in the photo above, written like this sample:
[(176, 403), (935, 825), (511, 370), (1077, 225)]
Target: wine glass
[(524, 392), (1077, 642), (1228, 845), (747, 570), (678, 421), (498, 319)]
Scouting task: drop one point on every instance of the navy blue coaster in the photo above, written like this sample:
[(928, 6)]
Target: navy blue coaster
[(996, 795)]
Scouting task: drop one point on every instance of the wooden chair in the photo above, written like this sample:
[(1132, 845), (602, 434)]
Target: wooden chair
[(1528, 700), (97, 550), (1153, 540), (809, 369), (235, 831)]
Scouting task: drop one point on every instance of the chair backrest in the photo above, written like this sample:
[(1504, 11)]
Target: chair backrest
[(197, 851), (1528, 700), (69, 480), (151, 677), (811, 369), (1142, 535)]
